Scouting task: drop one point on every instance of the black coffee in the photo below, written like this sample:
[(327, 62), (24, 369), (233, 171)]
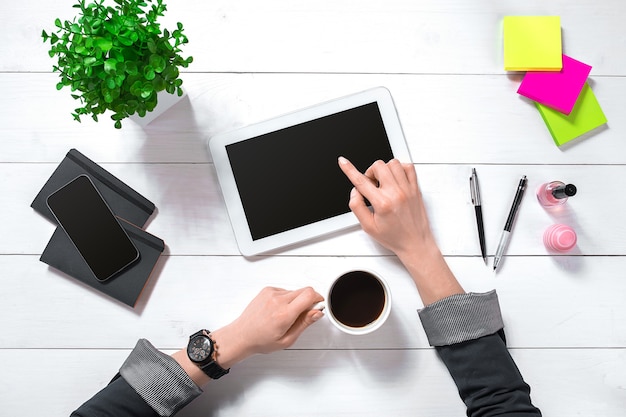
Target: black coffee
[(357, 298)]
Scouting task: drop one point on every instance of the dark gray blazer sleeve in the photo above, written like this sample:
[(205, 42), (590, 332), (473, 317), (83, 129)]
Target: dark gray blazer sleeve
[(149, 384), (467, 332), (118, 399)]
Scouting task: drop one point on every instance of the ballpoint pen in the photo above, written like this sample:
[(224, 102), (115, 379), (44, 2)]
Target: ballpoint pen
[(475, 193), (504, 239)]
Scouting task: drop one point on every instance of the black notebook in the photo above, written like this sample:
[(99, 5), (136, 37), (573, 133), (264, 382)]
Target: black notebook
[(126, 287), (125, 202)]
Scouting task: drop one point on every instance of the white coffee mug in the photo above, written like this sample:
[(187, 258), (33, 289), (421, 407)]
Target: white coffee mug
[(358, 302)]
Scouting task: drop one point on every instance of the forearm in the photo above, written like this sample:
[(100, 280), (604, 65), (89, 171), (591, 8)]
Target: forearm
[(118, 399), (430, 272), (467, 331), (487, 378), (162, 384), (151, 384)]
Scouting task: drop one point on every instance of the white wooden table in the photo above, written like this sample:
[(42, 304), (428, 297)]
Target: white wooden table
[(565, 316)]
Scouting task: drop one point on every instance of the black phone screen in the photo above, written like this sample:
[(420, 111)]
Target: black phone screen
[(92, 227)]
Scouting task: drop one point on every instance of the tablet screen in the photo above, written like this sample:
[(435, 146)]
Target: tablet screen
[(290, 177)]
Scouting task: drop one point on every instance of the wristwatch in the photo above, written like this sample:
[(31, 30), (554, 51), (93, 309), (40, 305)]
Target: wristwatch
[(202, 351)]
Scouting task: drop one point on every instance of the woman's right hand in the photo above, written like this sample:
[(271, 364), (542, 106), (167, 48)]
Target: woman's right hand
[(398, 220)]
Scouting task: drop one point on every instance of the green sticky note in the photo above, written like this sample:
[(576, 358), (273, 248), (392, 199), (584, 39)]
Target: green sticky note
[(532, 43), (586, 116)]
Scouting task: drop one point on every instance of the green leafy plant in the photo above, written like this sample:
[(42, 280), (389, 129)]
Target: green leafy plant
[(117, 58)]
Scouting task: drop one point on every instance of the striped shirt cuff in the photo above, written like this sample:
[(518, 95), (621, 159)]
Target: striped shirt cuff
[(461, 317), (158, 379)]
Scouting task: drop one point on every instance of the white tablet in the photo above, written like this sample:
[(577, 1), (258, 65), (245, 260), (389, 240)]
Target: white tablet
[(280, 178)]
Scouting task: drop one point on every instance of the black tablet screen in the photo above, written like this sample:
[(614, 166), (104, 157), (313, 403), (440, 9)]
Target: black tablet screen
[(290, 178)]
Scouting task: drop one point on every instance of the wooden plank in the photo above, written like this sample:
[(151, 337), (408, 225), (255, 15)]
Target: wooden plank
[(320, 383), (546, 302), (192, 217), (327, 36), (446, 118)]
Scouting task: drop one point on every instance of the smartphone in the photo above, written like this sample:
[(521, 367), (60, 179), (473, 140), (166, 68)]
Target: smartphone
[(93, 228)]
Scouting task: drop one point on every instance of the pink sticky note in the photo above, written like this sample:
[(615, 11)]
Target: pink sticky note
[(557, 90)]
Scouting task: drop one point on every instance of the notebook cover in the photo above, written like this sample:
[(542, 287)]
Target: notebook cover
[(123, 200), (126, 287)]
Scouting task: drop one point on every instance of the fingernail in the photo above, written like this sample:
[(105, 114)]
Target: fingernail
[(342, 160), (317, 316), (353, 192)]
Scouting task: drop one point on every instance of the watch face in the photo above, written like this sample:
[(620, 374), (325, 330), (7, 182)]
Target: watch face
[(199, 349)]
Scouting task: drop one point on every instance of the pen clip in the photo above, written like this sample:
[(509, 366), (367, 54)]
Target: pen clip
[(474, 189)]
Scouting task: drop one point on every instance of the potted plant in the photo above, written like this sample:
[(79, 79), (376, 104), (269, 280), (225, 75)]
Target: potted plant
[(117, 58)]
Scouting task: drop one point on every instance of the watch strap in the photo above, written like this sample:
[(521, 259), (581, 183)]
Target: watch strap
[(213, 370)]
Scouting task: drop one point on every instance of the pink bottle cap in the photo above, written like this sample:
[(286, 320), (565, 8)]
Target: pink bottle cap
[(559, 237)]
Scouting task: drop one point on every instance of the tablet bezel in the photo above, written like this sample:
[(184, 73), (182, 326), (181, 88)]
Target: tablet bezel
[(218, 148)]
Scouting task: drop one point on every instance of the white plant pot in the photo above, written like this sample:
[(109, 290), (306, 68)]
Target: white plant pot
[(165, 100)]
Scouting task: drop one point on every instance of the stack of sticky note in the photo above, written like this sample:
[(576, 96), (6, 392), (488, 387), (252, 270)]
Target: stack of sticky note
[(554, 81)]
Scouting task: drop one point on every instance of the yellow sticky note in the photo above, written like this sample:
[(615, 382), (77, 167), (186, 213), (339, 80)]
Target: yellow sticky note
[(532, 43)]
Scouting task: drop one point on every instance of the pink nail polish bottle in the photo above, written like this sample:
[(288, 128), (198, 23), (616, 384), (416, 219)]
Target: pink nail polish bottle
[(555, 193), (559, 238)]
